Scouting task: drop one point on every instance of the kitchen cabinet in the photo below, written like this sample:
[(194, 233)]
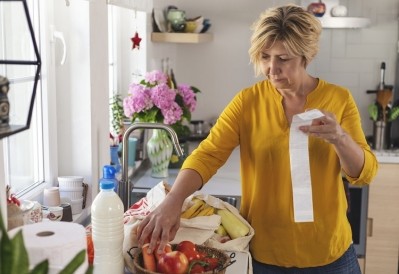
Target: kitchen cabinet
[(174, 37), (382, 245)]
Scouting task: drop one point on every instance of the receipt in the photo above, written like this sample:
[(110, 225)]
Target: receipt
[(300, 169)]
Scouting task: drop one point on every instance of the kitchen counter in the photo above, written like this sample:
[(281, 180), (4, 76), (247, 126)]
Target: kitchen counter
[(226, 182), (387, 156)]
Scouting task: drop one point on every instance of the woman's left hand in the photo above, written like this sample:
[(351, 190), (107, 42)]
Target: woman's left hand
[(326, 128)]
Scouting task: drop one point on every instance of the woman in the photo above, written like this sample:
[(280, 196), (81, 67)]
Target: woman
[(258, 119)]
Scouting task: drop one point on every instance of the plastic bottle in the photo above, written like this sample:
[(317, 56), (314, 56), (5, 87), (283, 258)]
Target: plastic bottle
[(109, 175), (107, 230)]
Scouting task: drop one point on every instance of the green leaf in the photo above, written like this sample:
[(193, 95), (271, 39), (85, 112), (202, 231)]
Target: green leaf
[(373, 111), (5, 249), (76, 262), (195, 89), (19, 262), (40, 268), (118, 115), (89, 270), (394, 113)]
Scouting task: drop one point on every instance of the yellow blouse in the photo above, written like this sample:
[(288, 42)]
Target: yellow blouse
[(255, 121)]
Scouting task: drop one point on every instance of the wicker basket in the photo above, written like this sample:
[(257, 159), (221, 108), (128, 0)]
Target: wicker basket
[(222, 256)]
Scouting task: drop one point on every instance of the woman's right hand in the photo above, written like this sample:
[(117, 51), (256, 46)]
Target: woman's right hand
[(161, 225)]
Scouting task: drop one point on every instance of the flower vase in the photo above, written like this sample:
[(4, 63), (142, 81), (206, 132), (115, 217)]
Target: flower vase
[(159, 150), (115, 157)]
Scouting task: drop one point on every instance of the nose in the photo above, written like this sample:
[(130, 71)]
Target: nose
[(273, 67)]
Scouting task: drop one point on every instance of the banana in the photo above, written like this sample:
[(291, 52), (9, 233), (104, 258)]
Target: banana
[(189, 212), (207, 211), (199, 210)]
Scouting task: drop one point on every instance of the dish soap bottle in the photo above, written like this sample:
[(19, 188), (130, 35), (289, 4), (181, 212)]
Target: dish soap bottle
[(107, 230)]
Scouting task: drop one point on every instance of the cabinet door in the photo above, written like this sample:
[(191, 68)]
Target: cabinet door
[(383, 222)]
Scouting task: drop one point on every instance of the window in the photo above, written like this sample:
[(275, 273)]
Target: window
[(24, 164)]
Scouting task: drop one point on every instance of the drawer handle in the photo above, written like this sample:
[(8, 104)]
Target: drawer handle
[(370, 227)]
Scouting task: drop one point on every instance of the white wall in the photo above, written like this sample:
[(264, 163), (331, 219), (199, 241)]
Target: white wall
[(348, 57), (82, 90)]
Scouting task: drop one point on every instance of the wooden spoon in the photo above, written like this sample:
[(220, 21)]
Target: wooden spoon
[(384, 96)]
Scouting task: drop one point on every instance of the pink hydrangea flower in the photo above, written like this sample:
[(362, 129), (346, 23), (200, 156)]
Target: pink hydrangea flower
[(188, 96), (163, 96), (156, 77), (152, 100), (173, 114), (139, 100)]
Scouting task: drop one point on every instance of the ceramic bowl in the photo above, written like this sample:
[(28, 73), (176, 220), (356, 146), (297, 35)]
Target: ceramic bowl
[(206, 27), (190, 26), (176, 16), (54, 213)]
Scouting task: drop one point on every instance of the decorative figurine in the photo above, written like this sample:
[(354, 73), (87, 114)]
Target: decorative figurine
[(136, 41), (317, 8), (4, 103)]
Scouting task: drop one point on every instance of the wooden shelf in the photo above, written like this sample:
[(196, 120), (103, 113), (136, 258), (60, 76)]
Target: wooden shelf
[(330, 22), (193, 38)]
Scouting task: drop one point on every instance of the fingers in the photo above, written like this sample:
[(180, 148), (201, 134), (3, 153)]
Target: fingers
[(156, 232), (325, 128)]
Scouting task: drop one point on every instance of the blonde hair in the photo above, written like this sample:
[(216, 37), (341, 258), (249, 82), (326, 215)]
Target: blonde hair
[(297, 29)]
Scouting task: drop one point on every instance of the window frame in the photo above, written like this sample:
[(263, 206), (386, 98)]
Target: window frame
[(38, 130)]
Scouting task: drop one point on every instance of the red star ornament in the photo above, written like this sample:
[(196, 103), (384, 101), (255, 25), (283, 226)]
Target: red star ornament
[(136, 41)]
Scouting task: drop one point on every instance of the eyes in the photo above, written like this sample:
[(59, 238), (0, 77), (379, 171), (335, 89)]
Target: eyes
[(281, 58)]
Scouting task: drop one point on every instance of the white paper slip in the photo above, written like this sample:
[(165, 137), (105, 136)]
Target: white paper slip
[(300, 170)]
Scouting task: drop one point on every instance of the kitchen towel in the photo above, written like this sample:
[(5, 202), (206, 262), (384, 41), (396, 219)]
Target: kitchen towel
[(58, 242), (300, 170)]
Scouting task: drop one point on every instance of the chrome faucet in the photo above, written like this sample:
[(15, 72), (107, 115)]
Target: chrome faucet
[(125, 186)]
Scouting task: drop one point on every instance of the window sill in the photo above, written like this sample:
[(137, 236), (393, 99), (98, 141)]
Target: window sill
[(83, 217)]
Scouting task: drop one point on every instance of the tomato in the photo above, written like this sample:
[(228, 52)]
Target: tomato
[(202, 255), (192, 256), (174, 262), (212, 263), (189, 249), (186, 246), (196, 268)]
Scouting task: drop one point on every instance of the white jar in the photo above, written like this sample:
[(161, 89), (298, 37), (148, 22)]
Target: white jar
[(107, 230), (339, 11)]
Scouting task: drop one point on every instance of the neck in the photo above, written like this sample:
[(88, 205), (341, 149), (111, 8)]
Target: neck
[(302, 89)]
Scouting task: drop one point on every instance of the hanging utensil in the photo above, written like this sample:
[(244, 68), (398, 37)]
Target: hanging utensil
[(384, 95)]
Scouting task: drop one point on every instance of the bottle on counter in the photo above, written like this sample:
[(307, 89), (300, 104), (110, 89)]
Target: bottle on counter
[(107, 230)]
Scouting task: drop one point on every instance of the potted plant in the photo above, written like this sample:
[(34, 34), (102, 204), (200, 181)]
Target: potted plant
[(117, 128), (382, 120), (117, 116)]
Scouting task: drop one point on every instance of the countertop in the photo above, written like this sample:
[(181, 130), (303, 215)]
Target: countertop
[(387, 156), (225, 182)]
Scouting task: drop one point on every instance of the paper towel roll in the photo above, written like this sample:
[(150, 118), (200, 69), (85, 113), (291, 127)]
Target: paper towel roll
[(58, 242)]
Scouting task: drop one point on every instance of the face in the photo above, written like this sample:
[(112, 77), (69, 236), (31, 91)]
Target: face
[(284, 71)]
